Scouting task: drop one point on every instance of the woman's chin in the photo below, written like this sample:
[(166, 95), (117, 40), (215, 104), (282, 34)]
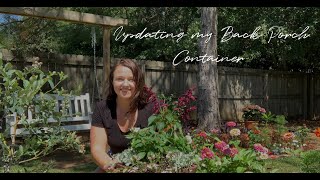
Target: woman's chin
[(125, 96)]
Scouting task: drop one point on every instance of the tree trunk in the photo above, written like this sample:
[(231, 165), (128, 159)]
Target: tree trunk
[(208, 104)]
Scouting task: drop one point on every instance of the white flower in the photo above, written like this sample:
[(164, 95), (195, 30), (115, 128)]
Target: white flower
[(263, 156), (218, 163), (189, 139), (135, 129), (235, 132)]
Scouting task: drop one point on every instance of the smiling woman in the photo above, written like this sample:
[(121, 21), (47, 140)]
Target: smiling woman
[(127, 106)]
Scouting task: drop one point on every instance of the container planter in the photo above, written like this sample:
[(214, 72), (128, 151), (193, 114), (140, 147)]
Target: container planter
[(250, 124)]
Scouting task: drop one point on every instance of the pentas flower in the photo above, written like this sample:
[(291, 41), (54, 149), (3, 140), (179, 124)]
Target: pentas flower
[(151, 96), (221, 145), (235, 132), (231, 124), (159, 104), (183, 105), (206, 153), (317, 132)]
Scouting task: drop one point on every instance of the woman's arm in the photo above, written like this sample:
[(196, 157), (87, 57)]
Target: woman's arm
[(99, 147)]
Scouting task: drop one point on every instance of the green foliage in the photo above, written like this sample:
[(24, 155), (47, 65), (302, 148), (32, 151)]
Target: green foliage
[(162, 142), (22, 90), (311, 162), (163, 134), (244, 161)]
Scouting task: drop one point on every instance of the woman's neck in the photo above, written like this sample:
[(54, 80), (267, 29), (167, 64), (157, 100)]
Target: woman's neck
[(123, 104)]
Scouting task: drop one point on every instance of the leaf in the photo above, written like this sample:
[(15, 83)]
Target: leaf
[(51, 83), (10, 72), (151, 119), (19, 74), (169, 117), (240, 169), (26, 83), (160, 126), (141, 155), (21, 150)]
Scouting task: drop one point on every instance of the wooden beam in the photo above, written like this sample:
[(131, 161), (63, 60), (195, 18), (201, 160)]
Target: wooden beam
[(64, 15), (106, 59)]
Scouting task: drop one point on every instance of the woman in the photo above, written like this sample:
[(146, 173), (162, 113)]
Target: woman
[(126, 107)]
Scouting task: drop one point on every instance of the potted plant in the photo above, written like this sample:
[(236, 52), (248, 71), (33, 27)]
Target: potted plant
[(252, 115)]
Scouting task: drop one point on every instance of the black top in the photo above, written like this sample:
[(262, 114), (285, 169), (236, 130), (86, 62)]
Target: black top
[(105, 116)]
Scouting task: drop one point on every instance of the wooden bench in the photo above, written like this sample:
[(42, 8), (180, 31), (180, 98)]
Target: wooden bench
[(79, 118)]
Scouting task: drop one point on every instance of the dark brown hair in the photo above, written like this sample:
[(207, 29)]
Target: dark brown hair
[(139, 100)]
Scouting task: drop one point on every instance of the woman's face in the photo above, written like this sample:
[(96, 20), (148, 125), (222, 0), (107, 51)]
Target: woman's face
[(123, 82)]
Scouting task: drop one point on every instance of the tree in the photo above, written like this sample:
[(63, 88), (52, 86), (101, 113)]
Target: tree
[(208, 104)]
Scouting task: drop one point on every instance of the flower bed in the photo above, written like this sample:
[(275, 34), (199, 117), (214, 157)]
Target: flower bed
[(166, 146)]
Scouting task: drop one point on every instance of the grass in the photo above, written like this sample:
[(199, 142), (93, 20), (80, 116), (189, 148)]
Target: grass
[(284, 164)]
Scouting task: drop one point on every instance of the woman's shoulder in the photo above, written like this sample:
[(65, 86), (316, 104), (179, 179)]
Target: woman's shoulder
[(104, 104), (149, 106), (101, 104)]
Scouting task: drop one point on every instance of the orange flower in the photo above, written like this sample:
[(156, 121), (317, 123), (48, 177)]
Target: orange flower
[(288, 136), (256, 131), (317, 132)]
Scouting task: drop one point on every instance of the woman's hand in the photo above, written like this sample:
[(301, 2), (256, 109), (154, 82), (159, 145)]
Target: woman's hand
[(114, 164)]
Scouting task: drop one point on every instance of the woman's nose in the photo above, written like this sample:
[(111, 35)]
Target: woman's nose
[(125, 82)]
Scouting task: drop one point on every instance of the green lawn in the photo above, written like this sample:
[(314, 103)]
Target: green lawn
[(284, 165)]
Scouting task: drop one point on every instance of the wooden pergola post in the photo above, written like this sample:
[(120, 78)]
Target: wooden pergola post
[(72, 16), (106, 59)]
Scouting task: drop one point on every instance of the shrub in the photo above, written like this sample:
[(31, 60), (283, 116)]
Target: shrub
[(22, 90)]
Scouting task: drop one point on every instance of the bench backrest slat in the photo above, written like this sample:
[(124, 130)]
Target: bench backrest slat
[(79, 111)]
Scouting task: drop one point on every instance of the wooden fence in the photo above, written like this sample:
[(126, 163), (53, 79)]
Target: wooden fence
[(296, 95)]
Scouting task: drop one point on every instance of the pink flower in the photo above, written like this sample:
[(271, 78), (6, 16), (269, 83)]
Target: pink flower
[(215, 131), (206, 153), (231, 124), (258, 147), (234, 151), (262, 110), (221, 145), (227, 151)]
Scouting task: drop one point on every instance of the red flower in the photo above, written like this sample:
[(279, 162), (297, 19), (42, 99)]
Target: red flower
[(206, 153), (202, 134)]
